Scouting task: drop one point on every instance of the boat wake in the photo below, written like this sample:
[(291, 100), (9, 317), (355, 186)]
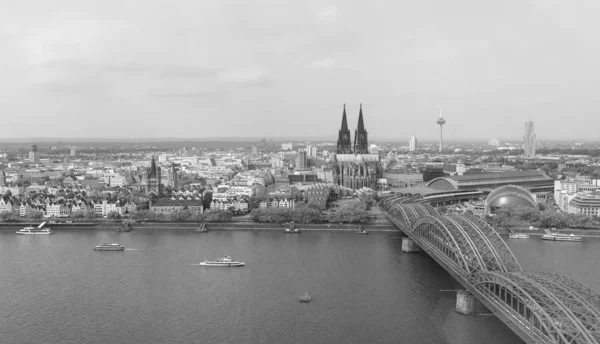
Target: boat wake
[(132, 249)]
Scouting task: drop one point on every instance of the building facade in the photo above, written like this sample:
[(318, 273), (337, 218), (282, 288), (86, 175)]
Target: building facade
[(529, 141), (34, 155), (412, 144), (355, 168)]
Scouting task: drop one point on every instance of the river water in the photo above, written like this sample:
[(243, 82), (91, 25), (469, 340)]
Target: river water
[(56, 289)]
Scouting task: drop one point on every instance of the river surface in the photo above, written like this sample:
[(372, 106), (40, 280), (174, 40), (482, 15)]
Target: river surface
[(56, 289)]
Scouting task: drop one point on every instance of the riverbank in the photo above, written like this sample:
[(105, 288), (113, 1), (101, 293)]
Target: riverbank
[(210, 226)]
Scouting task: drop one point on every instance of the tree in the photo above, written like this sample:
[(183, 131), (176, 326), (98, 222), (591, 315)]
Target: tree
[(354, 212), (90, 214), (5, 215), (180, 215), (217, 215), (77, 215), (113, 215), (36, 214)]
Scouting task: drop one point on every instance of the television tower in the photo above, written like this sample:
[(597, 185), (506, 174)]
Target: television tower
[(441, 121)]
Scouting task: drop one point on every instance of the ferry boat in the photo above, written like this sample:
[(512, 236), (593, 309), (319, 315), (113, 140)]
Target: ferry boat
[(109, 247), (304, 298), (223, 262), (560, 237), (29, 230), (291, 228)]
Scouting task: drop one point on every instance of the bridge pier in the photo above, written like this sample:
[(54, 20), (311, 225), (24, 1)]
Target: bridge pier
[(467, 304), (409, 246)]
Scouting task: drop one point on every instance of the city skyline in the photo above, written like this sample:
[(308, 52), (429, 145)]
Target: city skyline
[(150, 71)]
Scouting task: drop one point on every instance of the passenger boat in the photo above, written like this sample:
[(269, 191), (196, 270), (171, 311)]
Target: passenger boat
[(29, 230), (560, 237), (361, 231), (109, 247), (223, 262), (291, 228), (304, 298)]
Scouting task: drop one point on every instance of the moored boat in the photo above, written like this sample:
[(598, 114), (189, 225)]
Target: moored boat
[(361, 231), (291, 228), (560, 237), (109, 247), (518, 236), (222, 262)]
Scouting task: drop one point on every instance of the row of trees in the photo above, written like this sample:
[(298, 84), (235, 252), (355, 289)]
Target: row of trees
[(513, 215), (350, 212), (211, 215), (281, 215)]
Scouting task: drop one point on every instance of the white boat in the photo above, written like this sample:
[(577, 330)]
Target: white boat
[(223, 262), (29, 230), (109, 247), (518, 236), (560, 237)]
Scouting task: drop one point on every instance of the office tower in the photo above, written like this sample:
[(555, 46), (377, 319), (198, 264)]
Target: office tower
[(301, 160), (33, 154), (412, 144), (529, 140), (494, 142)]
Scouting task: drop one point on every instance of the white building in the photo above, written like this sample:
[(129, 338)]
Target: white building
[(412, 144)]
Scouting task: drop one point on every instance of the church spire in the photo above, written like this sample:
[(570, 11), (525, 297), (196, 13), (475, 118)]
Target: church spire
[(344, 120), (344, 143), (361, 145), (361, 124), (152, 173)]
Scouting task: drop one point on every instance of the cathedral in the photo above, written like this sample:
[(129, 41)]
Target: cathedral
[(354, 167)]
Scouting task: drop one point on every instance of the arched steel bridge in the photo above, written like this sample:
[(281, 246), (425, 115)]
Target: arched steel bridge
[(539, 307)]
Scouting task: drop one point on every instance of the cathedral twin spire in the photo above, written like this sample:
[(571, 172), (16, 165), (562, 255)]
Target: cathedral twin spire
[(344, 144)]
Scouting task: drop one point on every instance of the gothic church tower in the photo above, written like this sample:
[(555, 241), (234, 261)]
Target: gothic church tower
[(361, 144)]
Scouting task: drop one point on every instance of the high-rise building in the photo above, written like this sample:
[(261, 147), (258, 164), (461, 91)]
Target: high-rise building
[(441, 121), (412, 144), (529, 140), (254, 150), (34, 154), (494, 142), (301, 160), (73, 150), (172, 177)]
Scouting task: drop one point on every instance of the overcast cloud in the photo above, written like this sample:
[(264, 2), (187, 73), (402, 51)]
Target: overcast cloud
[(279, 68)]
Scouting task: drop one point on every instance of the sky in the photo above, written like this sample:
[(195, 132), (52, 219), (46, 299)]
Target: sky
[(284, 68)]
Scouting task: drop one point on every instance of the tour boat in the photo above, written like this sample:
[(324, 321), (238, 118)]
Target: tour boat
[(224, 262), (518, 236), (304, 298), (109, 247), (29, 230), (560, 237)]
